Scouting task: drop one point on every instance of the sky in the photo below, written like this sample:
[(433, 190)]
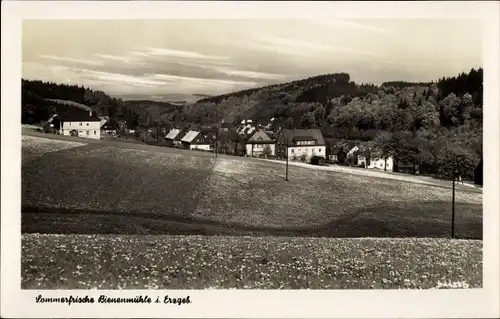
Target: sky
[(176, 59)]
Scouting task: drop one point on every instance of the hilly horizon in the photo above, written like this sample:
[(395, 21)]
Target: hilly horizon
[(319, 101)]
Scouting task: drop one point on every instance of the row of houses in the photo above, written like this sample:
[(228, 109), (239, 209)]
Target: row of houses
[(248, 140), (299, 143), (190, 139)]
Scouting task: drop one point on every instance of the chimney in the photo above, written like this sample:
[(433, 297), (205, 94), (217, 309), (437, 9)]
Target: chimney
[(90, 112)]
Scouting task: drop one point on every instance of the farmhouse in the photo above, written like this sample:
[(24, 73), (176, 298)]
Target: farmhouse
[(337, 154), (194, 140), (405, 167), (300, 143), (377, 162), (77, 122), (109, 127), (259, 143), (170, 138), (231, 142)]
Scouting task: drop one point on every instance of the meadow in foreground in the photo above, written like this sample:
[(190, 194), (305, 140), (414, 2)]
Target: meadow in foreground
[(200, 262)]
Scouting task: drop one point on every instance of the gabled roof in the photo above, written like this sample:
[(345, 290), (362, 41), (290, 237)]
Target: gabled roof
[(172, 134), (290, 135), (303, 138), (190, 136), (181, 134), (336, 150), (110, 125), (77, 115), (203, 139), (259, 137)]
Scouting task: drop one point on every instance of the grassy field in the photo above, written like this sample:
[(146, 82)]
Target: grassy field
[(200, 262), (104, 215), (101, 189)]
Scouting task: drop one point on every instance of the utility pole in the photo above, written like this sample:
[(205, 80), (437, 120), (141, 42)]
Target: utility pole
[(286, 174), (216, 141), (453, 205)]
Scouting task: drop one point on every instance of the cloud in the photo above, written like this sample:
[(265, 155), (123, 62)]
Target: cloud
[(250, 74), (125, 59), (354, 25), (72, 60), (162, 52), (190, 81), (296, 47), (121, 78)]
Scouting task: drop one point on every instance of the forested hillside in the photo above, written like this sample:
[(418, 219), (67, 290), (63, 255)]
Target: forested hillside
[(437, 125), (40, 99)]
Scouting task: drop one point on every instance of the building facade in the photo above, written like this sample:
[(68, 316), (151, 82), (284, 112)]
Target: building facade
[(77, 122), (194, 140), (301, 144), (377, 163), (259, 144)]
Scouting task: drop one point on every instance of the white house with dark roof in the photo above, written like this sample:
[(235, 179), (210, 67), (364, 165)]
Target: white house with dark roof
[(77, 122), (300, 143), (194, 140), (260, 142)]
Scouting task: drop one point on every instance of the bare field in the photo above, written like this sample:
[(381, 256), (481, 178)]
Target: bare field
[(35, 146), (100, 189)]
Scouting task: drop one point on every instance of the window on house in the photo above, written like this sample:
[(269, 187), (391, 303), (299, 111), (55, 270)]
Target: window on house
[(80, 123), (88, 133), (87, 124), (95, 132), (293, 151)]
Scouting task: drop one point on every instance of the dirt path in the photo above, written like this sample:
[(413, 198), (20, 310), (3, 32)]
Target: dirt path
[(388, 175)]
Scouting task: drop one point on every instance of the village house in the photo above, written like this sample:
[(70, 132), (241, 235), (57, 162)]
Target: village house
[(194, 140), (231, 142), (76, 122), (300, 143), (337, 154), (172, 135), (259, 143), (389, 164), (109, 127), (405, 167), (377, 163)]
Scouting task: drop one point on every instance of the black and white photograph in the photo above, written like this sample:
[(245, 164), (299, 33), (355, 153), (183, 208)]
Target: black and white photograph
[(263, 154)]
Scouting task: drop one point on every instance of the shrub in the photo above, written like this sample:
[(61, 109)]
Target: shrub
[(318, 160), (267, 150)]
